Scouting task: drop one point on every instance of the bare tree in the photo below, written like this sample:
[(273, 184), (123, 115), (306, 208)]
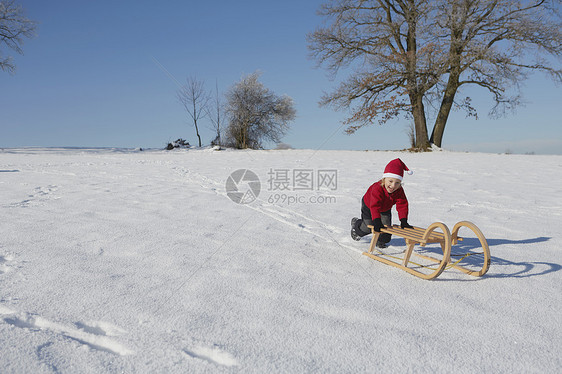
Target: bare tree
[(495, 45), (195, 100), (256, 114), (214, 112), (408, 54), (14, 26)]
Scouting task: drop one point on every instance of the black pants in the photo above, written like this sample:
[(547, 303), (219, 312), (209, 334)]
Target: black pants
[(366, 220)]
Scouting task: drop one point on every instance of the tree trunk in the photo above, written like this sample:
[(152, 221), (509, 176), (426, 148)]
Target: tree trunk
[(242, 138), (197, 132), (445, 110), (416, 97), (420, 125)]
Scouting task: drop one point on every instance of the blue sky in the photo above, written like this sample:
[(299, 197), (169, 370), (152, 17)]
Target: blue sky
[(105, 74)]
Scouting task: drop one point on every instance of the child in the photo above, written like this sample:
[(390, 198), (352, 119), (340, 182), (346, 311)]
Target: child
[(379, 200)]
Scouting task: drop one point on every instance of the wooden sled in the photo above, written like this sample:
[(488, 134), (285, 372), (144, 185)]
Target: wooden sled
[(421, 236)]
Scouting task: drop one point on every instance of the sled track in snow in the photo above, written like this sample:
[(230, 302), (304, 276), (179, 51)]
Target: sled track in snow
[(319, 229)]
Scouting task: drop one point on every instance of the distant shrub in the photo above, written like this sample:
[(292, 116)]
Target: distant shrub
[(180, 143), (216, 143), (283, 146)]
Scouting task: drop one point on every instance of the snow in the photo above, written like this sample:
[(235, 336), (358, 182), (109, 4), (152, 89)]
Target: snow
[(118, 260)]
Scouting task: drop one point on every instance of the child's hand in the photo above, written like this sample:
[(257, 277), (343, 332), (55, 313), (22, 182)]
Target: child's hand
[(377, 223), (404, 224)]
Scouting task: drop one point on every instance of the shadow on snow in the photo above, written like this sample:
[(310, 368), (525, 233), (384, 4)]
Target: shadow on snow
[(475, 258)]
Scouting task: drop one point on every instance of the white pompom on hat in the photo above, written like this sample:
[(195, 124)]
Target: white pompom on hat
[(395, 169)]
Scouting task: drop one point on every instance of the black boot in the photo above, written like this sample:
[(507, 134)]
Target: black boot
[(381, 244), (354, 234)]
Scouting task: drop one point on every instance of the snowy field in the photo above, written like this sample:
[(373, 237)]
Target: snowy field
[(127, 261)]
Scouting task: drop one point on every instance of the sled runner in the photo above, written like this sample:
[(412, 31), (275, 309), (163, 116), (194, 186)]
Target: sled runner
[(418, 235)]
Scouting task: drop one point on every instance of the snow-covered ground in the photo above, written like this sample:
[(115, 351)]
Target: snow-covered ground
[(128, 261)]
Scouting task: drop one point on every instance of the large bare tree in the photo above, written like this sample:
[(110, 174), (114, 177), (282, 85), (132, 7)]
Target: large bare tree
[(14, 27), (255, 114), (407, 55), (195, 99)]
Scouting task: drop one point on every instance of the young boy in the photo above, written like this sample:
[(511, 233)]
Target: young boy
[(378, 201)]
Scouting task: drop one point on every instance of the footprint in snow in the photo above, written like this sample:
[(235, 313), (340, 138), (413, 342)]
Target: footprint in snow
[(44, 191), (39, 195), (100, 328), (96, 335), (46, 355), (5, 264), (213, 355)]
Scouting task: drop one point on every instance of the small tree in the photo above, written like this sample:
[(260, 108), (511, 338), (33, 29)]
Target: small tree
[(255, 114), (195, 100), (14, 26), (214, 112)]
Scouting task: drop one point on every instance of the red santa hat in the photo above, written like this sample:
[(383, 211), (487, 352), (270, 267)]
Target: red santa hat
[(395, 169)]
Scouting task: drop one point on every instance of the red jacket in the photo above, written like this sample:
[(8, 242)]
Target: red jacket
[(379, 200)]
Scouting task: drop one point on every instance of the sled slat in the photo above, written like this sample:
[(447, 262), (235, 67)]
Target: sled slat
[(416, 234)]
